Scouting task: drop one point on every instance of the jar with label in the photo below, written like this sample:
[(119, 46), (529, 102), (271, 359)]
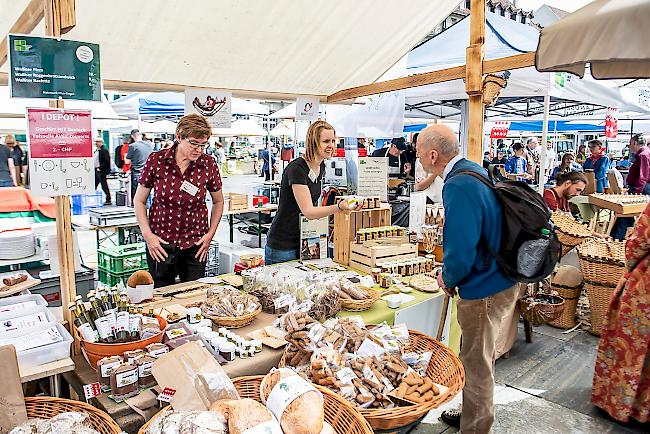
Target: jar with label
[(216, 342), (242, 353), (105, 367), (157, 350), (132, 356), (222, 331), (145, 377), (251, 352), (124, 382), (193, 315), (202, 331), (375, 275), (256, 345), (227, 351), (385, 280)]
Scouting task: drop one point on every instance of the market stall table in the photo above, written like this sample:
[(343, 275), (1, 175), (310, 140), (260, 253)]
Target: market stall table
[(619, 205), (231, 215), (51, 370)]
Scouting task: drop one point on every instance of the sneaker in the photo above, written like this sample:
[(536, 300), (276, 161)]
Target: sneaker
[(108, 203), (451, 417)]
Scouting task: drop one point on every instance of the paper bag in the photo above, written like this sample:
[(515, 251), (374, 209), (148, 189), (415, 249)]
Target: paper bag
[(195, 376), (12, 401)]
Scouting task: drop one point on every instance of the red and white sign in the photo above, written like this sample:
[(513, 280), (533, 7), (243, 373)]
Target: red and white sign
[(61, 151), (611, 123), (92, 390), (500, 130), (166, 395)]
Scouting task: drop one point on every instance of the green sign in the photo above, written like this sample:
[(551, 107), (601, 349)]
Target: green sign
[(53, 69)]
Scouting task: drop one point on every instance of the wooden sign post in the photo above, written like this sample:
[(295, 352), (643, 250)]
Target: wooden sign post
[(474, 80)]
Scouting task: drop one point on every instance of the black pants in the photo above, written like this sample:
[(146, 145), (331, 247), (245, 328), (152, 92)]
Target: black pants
[(179, 262), (100, 178), (134, 184)]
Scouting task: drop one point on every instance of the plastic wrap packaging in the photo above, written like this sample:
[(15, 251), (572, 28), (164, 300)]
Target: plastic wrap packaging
[(247, 416), (67, 422), (194, 422), (293, 401), (230, 303)]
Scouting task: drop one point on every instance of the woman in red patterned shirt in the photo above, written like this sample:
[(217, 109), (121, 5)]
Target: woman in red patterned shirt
[(177, 230)]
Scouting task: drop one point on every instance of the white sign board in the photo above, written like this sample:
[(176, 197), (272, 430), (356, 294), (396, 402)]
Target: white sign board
[(61, 151), (313, 238), (307, 108), (417, 211), (215, 105), (373, 177)]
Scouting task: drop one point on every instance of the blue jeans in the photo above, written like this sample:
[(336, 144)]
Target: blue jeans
[(6, 184), (275, 256)]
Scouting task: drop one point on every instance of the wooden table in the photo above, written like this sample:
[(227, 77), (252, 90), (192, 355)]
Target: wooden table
[(618, 205), (267, 209), (52, 370)]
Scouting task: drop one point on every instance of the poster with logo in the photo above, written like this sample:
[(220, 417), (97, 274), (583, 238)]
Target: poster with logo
[(49, 68), (373, 177), (215, 105), (61, 151), (500, 130), (307, 108), (313, 238), (611, 123)]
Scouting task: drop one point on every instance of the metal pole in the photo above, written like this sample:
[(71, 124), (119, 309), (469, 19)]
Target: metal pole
[(542, 157)]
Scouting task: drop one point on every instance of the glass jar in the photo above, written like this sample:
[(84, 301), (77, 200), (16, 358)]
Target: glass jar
[(227, 351), (256, 345)]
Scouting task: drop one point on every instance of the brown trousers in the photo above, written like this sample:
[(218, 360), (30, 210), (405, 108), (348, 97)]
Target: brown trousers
[(479, 323)]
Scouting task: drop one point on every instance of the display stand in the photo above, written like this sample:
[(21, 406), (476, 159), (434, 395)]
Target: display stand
[(347, 225)]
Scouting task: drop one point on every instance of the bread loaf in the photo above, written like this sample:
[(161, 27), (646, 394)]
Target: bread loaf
[(242, 414), (305, 413), (140, 277)]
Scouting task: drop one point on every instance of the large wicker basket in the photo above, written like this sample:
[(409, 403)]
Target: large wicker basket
[(233, 322), (444, 368), (602, 261), (599, 296), (538, 312), (48, 407), (360, 305), (567, 318), (344, 418), (569, 232)]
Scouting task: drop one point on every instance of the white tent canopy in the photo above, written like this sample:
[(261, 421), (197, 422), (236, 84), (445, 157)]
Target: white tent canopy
[(271, 49), (241, 127)]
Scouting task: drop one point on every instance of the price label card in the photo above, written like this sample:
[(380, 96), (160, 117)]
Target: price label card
[(92, 390), (166, 395), (346, 375)]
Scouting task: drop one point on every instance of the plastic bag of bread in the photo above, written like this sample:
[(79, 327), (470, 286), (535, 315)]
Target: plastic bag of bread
[(140, 286), (203, 422), (296, 403), (247, 415)]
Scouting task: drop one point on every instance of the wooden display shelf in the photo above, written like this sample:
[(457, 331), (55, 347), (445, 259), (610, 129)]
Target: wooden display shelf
[(347, 225), (621, 204), (365, 257)]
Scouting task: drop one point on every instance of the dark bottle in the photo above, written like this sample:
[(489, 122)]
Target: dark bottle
[(87, 332), (102, 324), (122, 329)]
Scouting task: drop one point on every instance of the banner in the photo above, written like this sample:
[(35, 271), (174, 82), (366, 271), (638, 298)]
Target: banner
[(611, 123), (307, 108), (61, 151), (500, 130), (215, 105), (373, 177)]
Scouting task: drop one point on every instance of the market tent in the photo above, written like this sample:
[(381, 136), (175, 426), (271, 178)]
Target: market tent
[(284, 128), (241, 127), (173, 104), (285, 48), (610, 35)]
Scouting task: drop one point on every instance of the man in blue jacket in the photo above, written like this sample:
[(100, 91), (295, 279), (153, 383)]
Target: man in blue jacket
[(472, 219)]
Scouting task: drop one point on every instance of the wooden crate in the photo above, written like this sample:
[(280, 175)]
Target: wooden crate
[(347, 225), (364, 257), (237, 201), (370, 202)]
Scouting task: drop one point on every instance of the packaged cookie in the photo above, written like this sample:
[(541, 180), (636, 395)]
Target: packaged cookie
[(124, 382), (145, 377), (104, 369)]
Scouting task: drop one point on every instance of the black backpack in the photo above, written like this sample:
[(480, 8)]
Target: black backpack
[(119, 161), (529, 247)]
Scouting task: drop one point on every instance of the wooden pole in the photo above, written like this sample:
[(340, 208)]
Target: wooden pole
[(55, 13), (474, 80)]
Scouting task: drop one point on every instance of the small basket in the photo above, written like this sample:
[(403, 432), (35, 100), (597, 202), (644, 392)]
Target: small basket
[(602, 261), (444, 368), (569, 232), (48, 407), (344, 418), (571, 296), (538, 312), (599, 294), (233, 322), (360, 305)]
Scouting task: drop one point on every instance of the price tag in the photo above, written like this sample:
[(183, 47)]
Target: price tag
[(346, 375), (166, 395), (92, 390), (368, 349)]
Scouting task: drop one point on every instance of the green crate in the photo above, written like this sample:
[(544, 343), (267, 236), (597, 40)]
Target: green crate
[(121, 259), (112, 279)]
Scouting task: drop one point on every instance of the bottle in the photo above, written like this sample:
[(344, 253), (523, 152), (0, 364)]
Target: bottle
[(109, 312), (85, 329), (100, 320), (82, 311), (122, 320), (134, 324)]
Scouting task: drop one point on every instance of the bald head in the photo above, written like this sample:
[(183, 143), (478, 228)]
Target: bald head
[(437, 145)]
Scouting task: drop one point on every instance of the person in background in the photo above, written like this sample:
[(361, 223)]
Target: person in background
[(486, 160), (568, 185), (531, 153), (17, 155), (500, 158), (517, 164), (638, 179), (473, 219), (268, 167), (551, 156), (624, 163), (219, 154), (177, 230), (231, 149), (567, 164), (398, 165), (411, 155), (300, 189), (622, 371), (581, 156), (7, 169), (102, 168), (599, 163), (136, 156)]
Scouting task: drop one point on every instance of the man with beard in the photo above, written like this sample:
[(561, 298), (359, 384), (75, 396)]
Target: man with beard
[(569, 184)]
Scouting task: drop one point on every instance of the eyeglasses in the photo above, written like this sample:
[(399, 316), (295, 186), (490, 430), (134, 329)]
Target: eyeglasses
[(197, 145)]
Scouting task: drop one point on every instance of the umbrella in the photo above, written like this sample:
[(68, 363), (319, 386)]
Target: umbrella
[(284, 128), (610, 35)]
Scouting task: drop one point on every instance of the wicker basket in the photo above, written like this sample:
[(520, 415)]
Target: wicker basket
[(567, 319), (599, 295), (48, 407), (538, 312), (569, 232), (602, 261), (360, 305), (344, 418), (444, 368), (233, 322)]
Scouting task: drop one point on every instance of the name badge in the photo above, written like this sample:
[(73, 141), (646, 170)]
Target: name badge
[(189, 188), (313, 176)]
